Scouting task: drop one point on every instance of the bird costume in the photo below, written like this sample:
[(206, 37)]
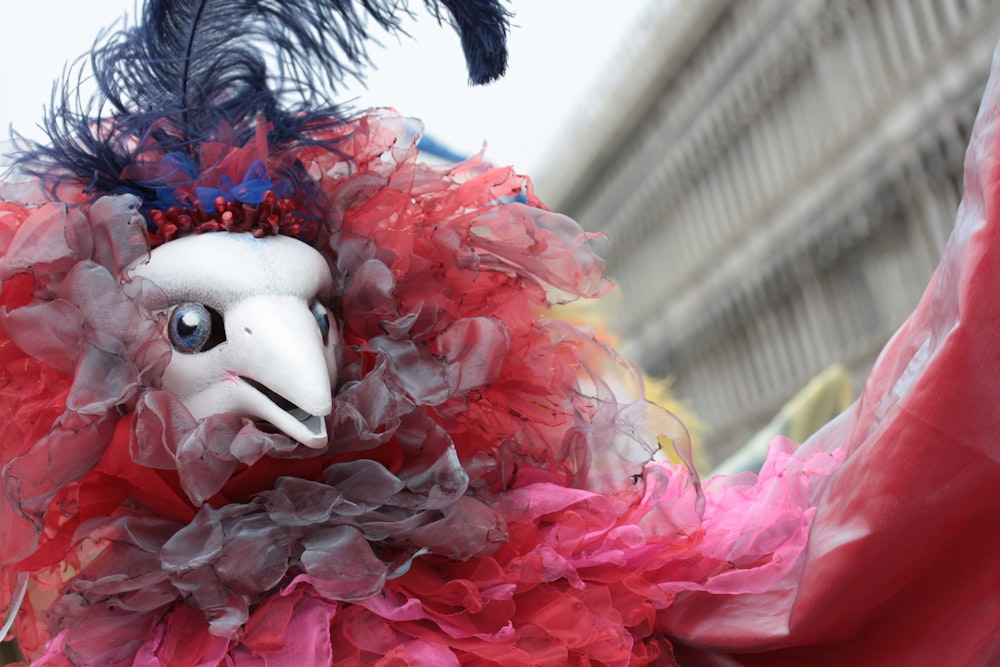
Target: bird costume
[(274, 392)]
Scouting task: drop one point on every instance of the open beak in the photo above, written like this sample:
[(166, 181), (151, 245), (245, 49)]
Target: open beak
[(273, 360), (274, 367), (281, 362)]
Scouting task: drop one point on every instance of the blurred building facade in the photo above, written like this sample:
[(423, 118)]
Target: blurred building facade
[(779, 179)]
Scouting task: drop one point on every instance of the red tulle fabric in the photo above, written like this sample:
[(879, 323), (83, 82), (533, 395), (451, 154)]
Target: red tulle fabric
[(489, 495)]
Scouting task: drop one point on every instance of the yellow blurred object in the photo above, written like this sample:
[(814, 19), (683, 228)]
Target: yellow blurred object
[(596, 314), (826, 396), (823, 398), (658, 391)]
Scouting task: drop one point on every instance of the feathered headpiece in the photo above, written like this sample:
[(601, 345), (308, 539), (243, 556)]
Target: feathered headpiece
[(194, 74)]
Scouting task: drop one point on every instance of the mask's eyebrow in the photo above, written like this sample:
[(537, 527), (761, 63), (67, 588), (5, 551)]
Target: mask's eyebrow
[(221, 271), (159, 292)]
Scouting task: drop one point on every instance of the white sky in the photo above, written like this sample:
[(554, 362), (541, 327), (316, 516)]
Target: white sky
[(559, 49)]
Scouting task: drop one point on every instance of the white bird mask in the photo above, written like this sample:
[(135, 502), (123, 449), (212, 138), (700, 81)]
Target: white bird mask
[(249, 329)]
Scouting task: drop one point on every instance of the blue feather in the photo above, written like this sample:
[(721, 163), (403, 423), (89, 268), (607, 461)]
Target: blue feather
[(192, 66)]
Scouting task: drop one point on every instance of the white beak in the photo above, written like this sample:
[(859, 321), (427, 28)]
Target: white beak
[(276, 361), (276, 370)]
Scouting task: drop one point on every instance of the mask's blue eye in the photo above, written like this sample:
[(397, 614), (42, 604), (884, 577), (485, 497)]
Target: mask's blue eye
[(322, 320), (195, 328)]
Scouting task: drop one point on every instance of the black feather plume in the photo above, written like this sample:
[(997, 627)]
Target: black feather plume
[(482, 26), (191, 67)]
